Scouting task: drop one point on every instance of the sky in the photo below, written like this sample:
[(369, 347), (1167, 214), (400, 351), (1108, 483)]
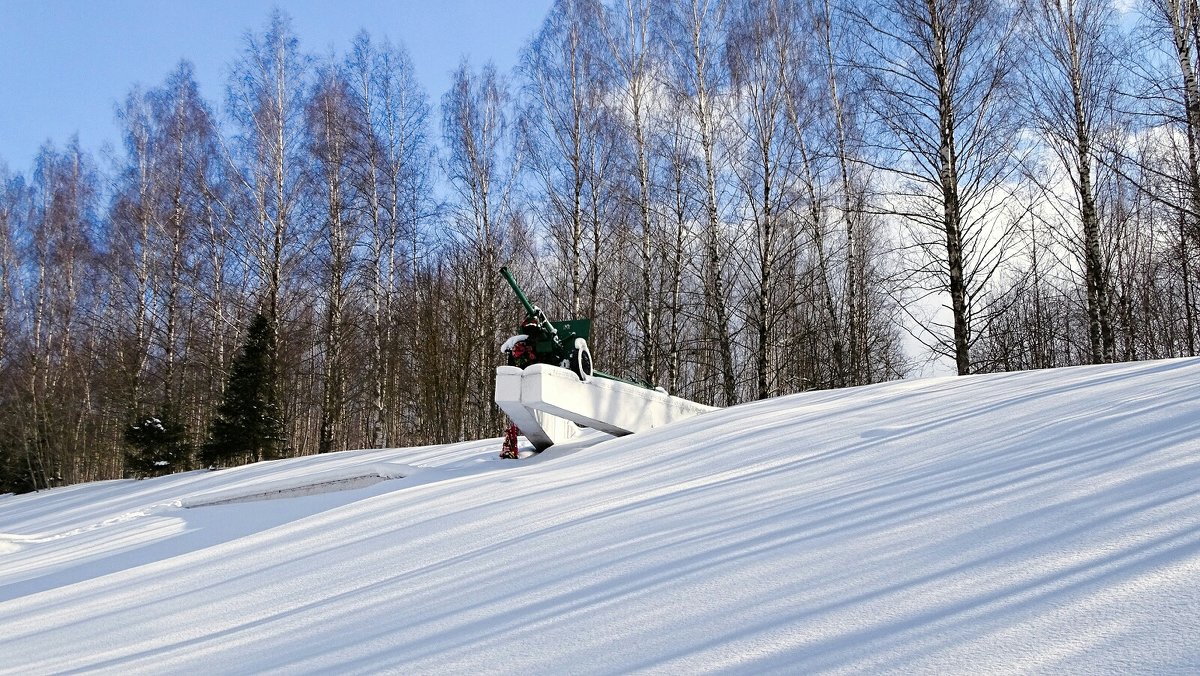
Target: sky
[(64, 64)]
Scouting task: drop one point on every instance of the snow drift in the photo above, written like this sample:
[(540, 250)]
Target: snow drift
[(1042, 522)]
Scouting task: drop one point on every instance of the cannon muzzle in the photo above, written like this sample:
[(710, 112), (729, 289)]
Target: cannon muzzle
[(529, 307)]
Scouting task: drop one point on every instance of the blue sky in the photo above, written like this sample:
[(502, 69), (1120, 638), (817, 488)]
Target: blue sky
[(65, 63)]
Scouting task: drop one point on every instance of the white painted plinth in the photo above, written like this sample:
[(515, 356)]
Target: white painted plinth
[(540, 428), (541, 397)]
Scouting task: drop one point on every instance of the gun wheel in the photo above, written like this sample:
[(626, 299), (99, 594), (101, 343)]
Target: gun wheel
[(581, 360)]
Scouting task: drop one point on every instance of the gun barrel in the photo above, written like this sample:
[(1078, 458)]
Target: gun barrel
[(532, 311), (529, 308)]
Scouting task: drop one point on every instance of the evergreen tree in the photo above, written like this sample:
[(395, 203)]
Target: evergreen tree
[(248, 425), (159, 446), (15, 474)]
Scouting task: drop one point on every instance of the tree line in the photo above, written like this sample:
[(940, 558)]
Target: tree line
[(749, 197)]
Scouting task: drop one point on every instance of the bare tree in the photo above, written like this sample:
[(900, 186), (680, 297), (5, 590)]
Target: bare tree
[(681, 210), (132, 234), (61, 266), (186, 135), (267, 93), (11, 200), (1072, 87), (266, 98), (695, 34), (392, 175), (628, 36), (153, 260), (941, 86), (761, 54), (217, 279), (1178, 21), (475, 133), (561, 127), (334, 128), (844, 127)]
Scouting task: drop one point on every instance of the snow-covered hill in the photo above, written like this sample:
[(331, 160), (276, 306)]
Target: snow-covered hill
[(1043, 521)]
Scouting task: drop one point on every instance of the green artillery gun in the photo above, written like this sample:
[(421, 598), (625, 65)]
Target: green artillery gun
[(562, 343)]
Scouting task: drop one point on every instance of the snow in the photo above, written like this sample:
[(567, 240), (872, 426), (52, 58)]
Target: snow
[(1035, 522), (512, 342)]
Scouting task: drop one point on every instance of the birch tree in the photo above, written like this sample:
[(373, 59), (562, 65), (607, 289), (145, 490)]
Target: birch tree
[(185, 131), (941, 85), (392, 175), (266, 99), (561, 128), (266, 96), (476, 136), (1073, 88), (333, 130), (636, 63), (12, 194), (1178, 22), (760, 56), (695, 34)]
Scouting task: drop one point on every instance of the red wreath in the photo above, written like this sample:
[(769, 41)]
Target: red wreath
[(509, 451)]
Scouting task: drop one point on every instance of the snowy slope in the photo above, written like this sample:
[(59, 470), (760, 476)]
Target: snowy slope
[(1035, 522)]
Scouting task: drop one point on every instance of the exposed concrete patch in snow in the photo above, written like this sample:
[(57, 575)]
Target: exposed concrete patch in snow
[(296, 492), (341, 479)]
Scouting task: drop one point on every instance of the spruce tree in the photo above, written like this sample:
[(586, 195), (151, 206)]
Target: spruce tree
[(248, 425), (16, 476), (159, 446)]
